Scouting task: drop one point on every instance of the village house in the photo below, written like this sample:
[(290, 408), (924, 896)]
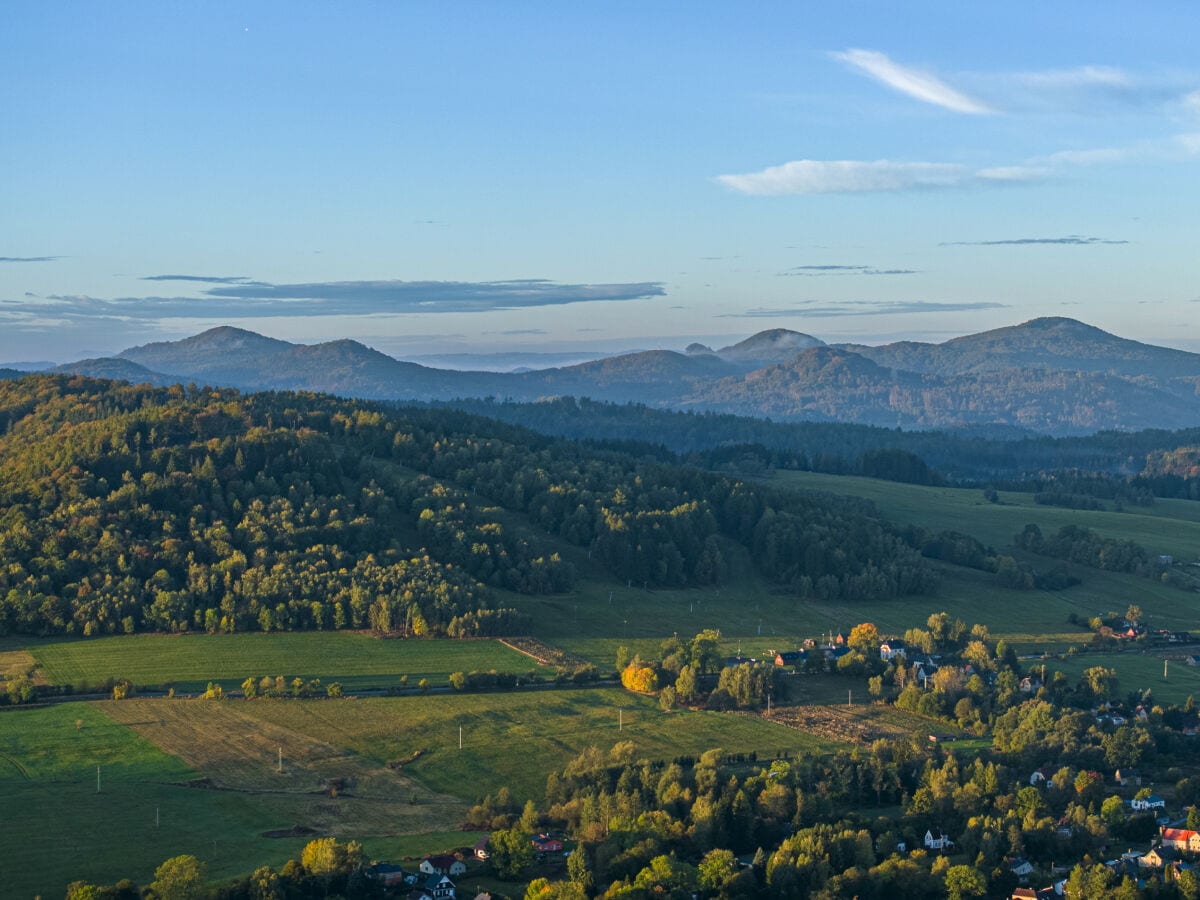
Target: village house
[(1126, 777), (789, 658), (1152, 802), (481, 847), (1027, 893), (941, 842), (438, 887), (544, 843), (1159, 857), (1183, 839), (1022, 868), (443, 864), (1030, 684), (388, 875), (890, 649)]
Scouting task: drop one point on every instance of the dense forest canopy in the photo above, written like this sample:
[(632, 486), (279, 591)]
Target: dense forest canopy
[(1154, 461), (144, 508)]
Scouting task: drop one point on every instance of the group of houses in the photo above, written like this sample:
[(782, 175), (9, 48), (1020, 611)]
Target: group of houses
[(433, 880), (837, 645), (1175, 848)]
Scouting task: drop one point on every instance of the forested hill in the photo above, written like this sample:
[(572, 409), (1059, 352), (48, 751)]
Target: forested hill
[(145, 508), (1169, 459)]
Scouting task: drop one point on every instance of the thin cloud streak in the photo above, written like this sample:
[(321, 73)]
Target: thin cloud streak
[(28, 259), (822, 271), (204, 279), (813, 176), (863, 308), (253, 299), (914, 83), (1071, 240), (438, 296)]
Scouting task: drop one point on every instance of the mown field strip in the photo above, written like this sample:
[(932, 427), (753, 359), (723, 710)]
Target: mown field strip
[(190, 661)]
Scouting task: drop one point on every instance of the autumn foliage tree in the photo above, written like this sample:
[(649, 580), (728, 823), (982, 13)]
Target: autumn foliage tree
[(640, 677)]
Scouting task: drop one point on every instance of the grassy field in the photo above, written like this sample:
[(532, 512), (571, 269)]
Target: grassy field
[(1029, 620), (190, 661), (514, 740), (68, 831), (1137, 672), (1169, 526), (211, 770)]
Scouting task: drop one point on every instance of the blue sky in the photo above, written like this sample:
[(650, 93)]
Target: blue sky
[(492, 176)]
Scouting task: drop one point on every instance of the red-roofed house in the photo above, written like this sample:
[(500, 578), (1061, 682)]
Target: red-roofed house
[(1181, 839), (544, 843)]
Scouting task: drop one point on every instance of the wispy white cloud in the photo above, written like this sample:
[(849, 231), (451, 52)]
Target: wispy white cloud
[(1079, 77), (258, 299), (915, 83), (814, 176), (863, 308), (1013, 173)]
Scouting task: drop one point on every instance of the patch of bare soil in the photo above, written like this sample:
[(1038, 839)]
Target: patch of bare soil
[(846, 724)]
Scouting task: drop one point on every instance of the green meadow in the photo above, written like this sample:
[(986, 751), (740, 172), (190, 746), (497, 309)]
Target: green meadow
[(190, 661), (1138, 672), (152, 804), (1168, 526), (515, 740), (141, 815)]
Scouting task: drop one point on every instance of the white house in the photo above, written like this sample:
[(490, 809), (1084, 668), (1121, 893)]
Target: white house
[(438, 887), (1152, 802), (941, 842), (443, 864)]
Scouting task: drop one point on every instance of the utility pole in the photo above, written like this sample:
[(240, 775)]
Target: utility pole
[(621, 719), (849, 702), (459, 737)]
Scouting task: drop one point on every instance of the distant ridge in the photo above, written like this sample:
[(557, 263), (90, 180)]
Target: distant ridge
[(775, 345), (1046, 343), (1052, 376), (115, 369)]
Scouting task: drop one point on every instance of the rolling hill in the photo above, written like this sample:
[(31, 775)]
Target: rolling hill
[(1052, 376)]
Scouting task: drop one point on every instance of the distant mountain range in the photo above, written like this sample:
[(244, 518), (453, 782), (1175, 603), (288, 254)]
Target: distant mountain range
[(1051, 376)]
